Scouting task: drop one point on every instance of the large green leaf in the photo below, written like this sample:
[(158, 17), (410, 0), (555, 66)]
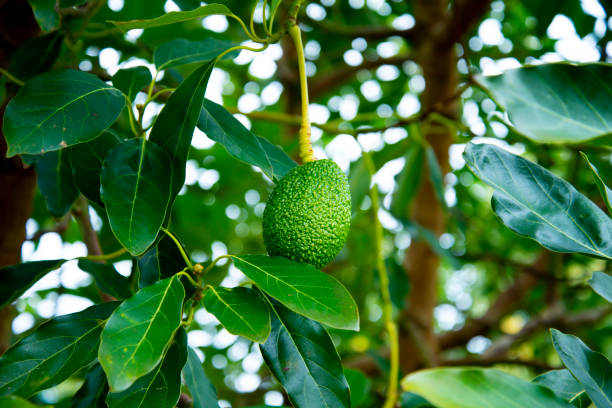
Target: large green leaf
[(564, 385), (59, 109), (302, 288), (241, 311), (408, 181), (107, 278), (533, 202), (12, 401), (135, 188), (181, 51), (138, 333), (53, 352), (36, 55), (222, 127), (175, 124), (555, 103), (604, 190), (590, 368), (302, 357), (202, 391), (16, 279), (467, 387), (602, 284), (131, 80), (86, 162), (161, 388), (360, 386), (55, 182), (174, 17), (92, 393)]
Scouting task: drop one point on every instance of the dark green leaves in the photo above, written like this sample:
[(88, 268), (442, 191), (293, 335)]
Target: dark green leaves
[(562, 383), (174, 17), (475, 387), (16, 279), (176, 122), (604, 190), (590, 368), (222, 127), (59, 109), (202, 391), (181, 51), (162, 261), (139, 332), (53, 352), (107, 278), (240, 310), (602, 284), (161, 387), (131, 80), (302, 288), (532, 201), (93, 391), (45, 14), (136, 189), (301, 355), (556, 102), (55, 182)]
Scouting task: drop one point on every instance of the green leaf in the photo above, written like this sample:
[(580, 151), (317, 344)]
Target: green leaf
[(45, 14), (467, 387), (86, 162), (202, 391), (53, 352), (16, 279), (302, 357), (556, 103), (93, 391), (241, 311), (174, 17), (222, 127), (408, 181), (138, 333), (161, 388), (131, 80), (36, 55), (55, 181), (162, 261), (359, 184), (360, 386), (302, 288), (107, 278), (176, 122), (604, 191), (135, 188), (59, 109), (602, 284), (180, 51), (590, 368), (562, 383), (435, 175), (411, 400), (533, 202), (11, 401)]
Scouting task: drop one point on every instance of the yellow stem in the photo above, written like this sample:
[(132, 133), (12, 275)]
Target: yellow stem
[(189, 278), (11, 77), (305, 146), (213, 263), (240, 47), (162, 91), (131, 115), (383, 277), (265, 22), (104, 257), (180, 248)]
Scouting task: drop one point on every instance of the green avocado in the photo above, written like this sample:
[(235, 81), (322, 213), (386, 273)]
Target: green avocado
[(308, 215)]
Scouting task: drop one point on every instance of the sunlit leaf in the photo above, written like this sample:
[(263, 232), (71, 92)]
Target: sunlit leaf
[(174, 17), (202, 391), (16, 279), (564, 385), (12, 401), (180, 51), (55, 182)]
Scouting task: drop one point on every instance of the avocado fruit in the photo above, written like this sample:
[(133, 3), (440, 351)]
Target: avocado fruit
[(308, 215)]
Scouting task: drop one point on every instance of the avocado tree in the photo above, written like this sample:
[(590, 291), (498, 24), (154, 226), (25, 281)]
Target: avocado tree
[(326, 203)]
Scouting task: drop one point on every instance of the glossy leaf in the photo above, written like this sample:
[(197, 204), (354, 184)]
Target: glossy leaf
[(45, 14), (467, 387), (11, 401), (162, 261), (86, 162), (16, 279), (604, 190), (173, 129), (602, 284), (556, 103), (135, 188), (202, 391), (302, 288), (130, 81), (222, 127), (55, 182), (107, 278), (590, 368), (360, 386), (241, 311), (180, 51), (302, 357), (137, 335), (53, 352), (533, 202), (59, 109), (562, 383), (161, 388), (92, 393), (408, 181), (174, 17)]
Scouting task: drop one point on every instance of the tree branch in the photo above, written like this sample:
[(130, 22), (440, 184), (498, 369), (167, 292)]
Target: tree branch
[(367, 32), (465, 14)]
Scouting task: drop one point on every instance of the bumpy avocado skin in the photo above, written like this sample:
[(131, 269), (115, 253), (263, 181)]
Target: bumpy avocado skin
[(308, 215)]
